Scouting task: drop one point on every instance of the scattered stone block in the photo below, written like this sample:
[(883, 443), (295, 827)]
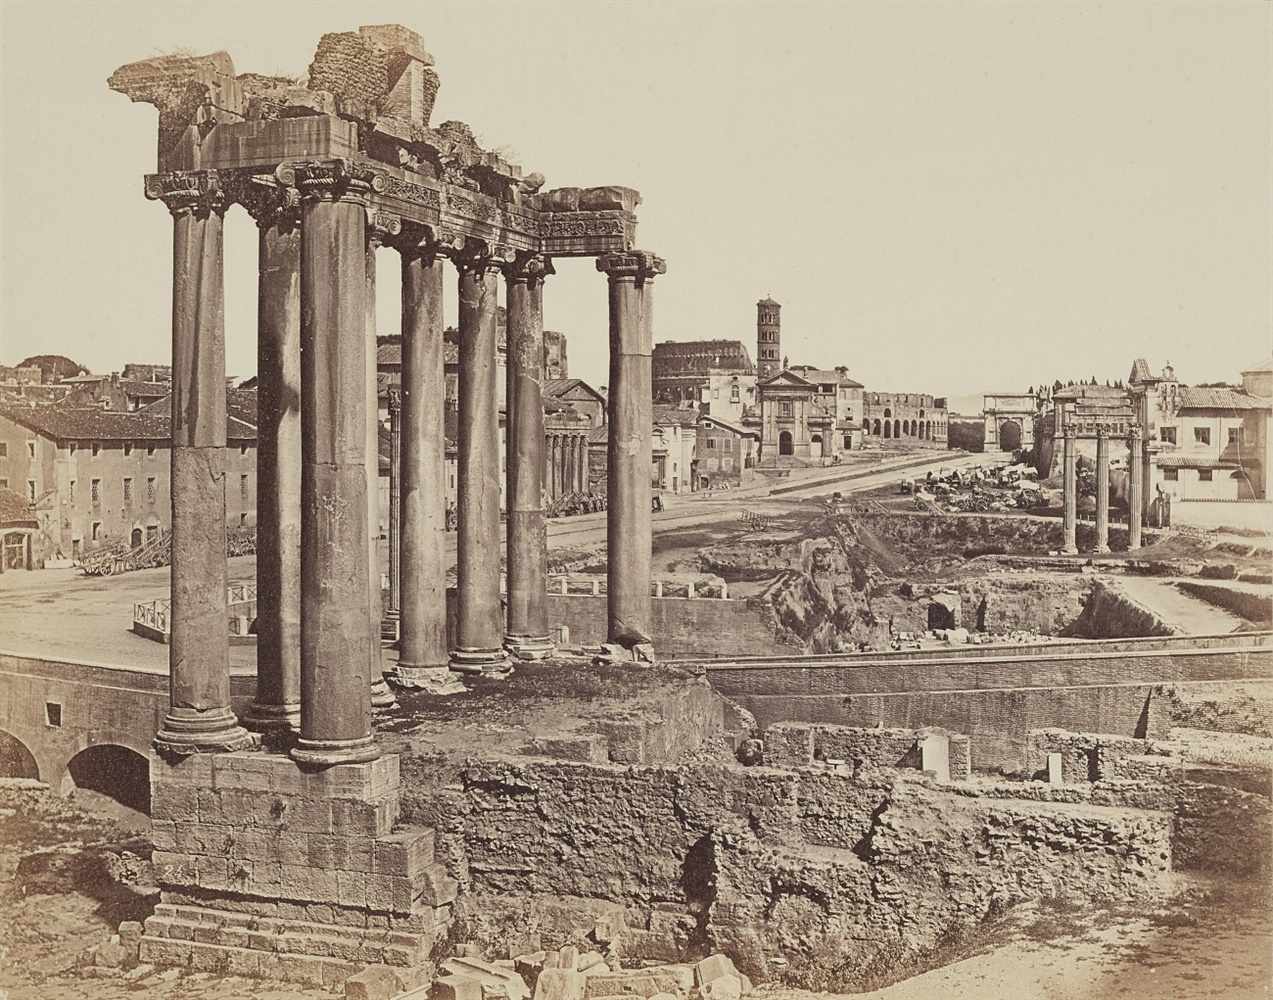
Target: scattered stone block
[(452, 987), (591, 960), (490, 977), (1055, 769), (111, 954), (723, 988), (711, 968), (376, 982), (560, 984), (934, 750)]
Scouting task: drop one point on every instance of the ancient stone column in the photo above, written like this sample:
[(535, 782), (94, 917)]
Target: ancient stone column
[(584, 483), (478, 645), (335, 624), (628, 537), (277, 706), (527, 548), (379, 227), (395, 501), (1135, 488), (422, 649), (555, 463), (1102, 490), (199, 716), (1070, 491)]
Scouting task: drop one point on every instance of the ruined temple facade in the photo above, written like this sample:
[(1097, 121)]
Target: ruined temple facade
[(330, 173)]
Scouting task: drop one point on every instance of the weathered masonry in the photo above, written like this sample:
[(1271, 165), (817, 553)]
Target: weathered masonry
[(330, 172)]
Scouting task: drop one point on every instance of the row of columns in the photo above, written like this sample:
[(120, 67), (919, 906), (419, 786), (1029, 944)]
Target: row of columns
[(566, 456), (319, 602), (1135, 490)]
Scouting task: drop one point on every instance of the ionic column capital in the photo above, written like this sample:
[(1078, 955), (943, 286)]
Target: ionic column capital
[(1101, 431), (395, 401), (266, 199), (633, 265), (383, 228), (529, 268), (188, 192), (1134, 435), (331, 180), (477, 257)]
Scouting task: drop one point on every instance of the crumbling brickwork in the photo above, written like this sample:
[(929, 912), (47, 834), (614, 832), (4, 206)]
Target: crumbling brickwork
[(799, 744)]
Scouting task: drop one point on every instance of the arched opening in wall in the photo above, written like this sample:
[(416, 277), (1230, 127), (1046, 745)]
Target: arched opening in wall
[(906, 428), (897, 428), (848, 442), (888, 428), (785, 444), (136, 538), (888, 414), (1009, 435), (16, 760), (928, 430), (876, 432), (816, 439), (107, 777)]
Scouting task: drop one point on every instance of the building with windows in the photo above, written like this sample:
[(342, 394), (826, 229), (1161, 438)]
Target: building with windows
[(1205, 442), (95, 476), (905, 418), (809, 415), (716, 376), (674, 448), (725, 453)]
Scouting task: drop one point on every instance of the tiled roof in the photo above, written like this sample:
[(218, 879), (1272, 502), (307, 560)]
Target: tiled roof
[(1203, 462), (1264, 366), (90, 423), (732, 428), (668, 413), (824, 375), (16, 511), (555, 388), (1197, 398)]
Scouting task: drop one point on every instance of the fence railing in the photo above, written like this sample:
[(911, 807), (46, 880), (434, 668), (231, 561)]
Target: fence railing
[(154, 616), (595, 585)]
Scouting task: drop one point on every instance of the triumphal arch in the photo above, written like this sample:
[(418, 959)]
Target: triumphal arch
[(330, 170)]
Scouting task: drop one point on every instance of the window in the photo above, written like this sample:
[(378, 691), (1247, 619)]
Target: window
[(128, 489), (1235, 435), (31, 449), (128, 448), (734, 394), (4, 449), (1204, 475), (71, 492), (150, 451), (95, 491), (1202, 435), (71, 448), (150, 489), (243, 487), (53, 714), (31, 490), (97, 530), (243, 449), (243, 520), (96, 448), (1170, 475), (786, 409), (711, 444), (1167, 435), (715, 394)]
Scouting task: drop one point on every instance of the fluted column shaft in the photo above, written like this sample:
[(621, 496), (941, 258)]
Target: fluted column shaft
[(423, 643), (199, 716), (479, 641), (526, 539), (335, 623), (1135, 488), (1102, 490), (628, 538), (1070, 491), (277, 705)]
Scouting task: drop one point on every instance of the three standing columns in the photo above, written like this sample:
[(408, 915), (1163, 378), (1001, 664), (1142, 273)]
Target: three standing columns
[(335, 623), (1070, 493), (526, 539), (628, 527), (199, 716), (478, 645), (1102, 490), (422, 645)]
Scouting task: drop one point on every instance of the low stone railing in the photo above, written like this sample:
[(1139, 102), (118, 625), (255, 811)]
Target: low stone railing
[(151, 618), (595, 585)]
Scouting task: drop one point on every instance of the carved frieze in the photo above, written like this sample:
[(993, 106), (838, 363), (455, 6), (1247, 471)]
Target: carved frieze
[(337, 179), (195, 192)]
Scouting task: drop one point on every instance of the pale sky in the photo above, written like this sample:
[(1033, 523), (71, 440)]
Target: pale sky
[(946, 197)]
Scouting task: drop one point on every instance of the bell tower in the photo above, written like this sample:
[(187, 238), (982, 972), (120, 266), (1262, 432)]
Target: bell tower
[(768, 338)]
